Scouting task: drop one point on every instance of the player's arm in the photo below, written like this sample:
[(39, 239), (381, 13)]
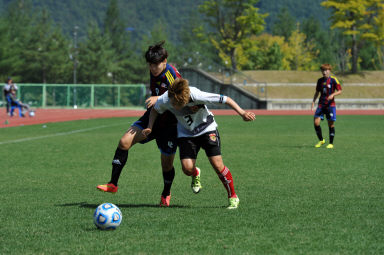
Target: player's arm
[(152, 117), (151, 101), (314, 99), (336, 93), (247, 116)]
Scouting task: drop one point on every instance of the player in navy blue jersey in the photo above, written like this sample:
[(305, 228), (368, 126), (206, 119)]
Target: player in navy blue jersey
[(162, 75), (327, 87)]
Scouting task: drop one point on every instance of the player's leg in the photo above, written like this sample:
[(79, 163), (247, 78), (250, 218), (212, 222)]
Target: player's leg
[(210, 142), (168, 176), (224, 174), (189, 168), (130, 138), (188, 149), (21, 114), (316, 122), (331, 117), (331, 127), (9, 104), (7, 107), (166, 139)]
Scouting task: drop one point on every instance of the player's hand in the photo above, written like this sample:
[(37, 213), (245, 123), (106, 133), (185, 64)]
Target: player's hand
[(330, 97), (146, 132), (151, 101), (312, 106), (248, 116)]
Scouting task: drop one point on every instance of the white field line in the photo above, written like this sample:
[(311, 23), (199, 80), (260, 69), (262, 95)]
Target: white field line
[(57, 134)]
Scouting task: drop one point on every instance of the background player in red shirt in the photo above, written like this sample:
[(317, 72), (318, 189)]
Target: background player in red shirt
[(162, 76), (328, 87)]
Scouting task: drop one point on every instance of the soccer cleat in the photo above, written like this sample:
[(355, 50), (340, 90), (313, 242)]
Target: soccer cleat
[(164, 201), (330, 146), (318, 145), (196, 185), (233, 203), (109, 187)]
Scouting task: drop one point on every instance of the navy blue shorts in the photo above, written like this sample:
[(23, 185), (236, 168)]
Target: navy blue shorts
[(164, 131), (329, 112)]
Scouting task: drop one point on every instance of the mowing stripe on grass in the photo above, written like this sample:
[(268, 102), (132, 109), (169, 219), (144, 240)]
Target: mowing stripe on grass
[(58, 134)]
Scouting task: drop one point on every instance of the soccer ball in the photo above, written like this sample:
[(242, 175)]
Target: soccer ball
[(107, 216), (31, 114)]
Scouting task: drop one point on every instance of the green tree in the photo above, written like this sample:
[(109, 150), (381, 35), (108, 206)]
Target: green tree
[(284, 25), (46, 53), (97, 58), (262, 52), (300, 55), (128, 70), (368, 57), (8, 54), (195, 49), (324, 41), (354, 18), (377, 32), (16, 26), (230, 24)]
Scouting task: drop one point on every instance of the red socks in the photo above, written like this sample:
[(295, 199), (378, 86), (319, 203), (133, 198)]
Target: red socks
[(227, 180), (196, 173)]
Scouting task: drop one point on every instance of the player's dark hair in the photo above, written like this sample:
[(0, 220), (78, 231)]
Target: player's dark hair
[(156, 53)]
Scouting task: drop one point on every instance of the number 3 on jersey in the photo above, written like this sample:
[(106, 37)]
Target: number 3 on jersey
[(188, 119)]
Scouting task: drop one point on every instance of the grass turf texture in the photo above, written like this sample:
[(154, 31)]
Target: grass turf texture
[(294, 198)]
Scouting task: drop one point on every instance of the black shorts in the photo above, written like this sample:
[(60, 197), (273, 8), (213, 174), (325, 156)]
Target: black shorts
[(189, 146), (164, 131)]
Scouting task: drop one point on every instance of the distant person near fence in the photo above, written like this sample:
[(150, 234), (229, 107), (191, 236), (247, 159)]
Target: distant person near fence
[(9, 85)]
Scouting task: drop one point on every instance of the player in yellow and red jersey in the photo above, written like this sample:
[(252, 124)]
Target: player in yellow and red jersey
[(327, 87)]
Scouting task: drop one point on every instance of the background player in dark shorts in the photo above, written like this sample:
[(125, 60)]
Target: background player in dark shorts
[(162, 76), (328, 87)]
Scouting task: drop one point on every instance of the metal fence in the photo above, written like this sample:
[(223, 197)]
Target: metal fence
[(82, 95)]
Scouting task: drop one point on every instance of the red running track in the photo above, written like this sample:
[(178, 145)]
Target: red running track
[(59, 115)]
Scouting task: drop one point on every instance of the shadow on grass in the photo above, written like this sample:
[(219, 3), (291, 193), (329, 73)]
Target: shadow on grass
[(93, 206)]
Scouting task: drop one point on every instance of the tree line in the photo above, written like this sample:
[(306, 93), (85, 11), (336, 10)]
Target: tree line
[(224, 33)]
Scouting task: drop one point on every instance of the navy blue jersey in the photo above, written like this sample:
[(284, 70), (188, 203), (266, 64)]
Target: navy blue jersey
[(160, 84)]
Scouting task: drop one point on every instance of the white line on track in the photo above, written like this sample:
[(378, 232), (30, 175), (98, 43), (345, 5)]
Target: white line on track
[(57, 134)]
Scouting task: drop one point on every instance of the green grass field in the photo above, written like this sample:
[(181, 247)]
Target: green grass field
[(295, 199)]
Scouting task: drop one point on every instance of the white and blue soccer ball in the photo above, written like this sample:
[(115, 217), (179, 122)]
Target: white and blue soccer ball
[(107, 216)]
